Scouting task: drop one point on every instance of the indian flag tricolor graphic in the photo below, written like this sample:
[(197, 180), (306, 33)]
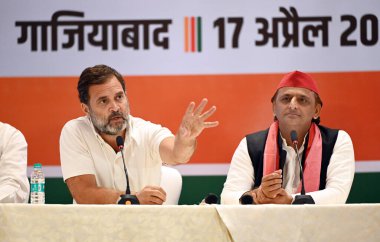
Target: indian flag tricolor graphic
[(193, 34)]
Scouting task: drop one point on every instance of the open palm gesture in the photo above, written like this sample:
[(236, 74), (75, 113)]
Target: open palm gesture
[(194, 121)]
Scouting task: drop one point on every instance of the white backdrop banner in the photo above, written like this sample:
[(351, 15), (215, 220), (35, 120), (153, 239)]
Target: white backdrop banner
[(51, 38)]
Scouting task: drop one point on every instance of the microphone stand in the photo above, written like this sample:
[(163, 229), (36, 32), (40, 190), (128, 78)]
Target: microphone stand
[(127, 198), (303, 198)]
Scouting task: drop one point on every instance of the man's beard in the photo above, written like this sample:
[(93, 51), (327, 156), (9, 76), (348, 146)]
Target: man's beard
[(103, 125)]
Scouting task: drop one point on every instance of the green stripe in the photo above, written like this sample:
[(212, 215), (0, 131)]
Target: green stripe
[(199, 33), (56, 192), (365, 188), (195, 188)]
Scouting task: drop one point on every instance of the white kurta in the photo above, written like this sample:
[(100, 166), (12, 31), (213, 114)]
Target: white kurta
[(14, 184), (83, 151), (340, 173)]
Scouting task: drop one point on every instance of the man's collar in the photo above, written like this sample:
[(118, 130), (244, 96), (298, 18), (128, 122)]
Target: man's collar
[(132, 134), (284, 143)]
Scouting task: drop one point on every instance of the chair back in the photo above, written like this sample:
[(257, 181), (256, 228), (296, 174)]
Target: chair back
[(171, 182)]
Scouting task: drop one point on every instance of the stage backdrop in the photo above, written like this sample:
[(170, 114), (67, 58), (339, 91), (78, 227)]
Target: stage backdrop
[(174, 52)]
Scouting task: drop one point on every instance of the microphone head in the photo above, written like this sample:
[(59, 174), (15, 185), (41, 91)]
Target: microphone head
[(246, 199), (211, 198), (293, 136), (120, 142)]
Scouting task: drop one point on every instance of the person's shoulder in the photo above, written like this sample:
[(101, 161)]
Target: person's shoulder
[(138, 123), (257, 134), (9, 133), (327, 129), (343, 142), (4, 127), (77, 125), (142, 128), (340, 132), (343, 139), (7, 129), (343, 135)]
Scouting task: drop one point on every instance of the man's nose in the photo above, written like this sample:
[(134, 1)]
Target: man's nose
[(114, 106), (293, 103)]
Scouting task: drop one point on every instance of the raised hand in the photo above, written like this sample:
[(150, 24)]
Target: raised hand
[(194, 121), (178, 150)]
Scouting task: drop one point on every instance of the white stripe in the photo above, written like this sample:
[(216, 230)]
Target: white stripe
[(185, 170), (203, 169), (211, 169), (49, 171), (367, 166)]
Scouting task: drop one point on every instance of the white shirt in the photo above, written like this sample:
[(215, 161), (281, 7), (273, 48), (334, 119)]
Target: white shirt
[(14, 184), (291, 169), (83, 151), (340, 173)]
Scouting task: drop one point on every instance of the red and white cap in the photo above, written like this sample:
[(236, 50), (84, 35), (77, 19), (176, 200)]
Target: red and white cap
[(298, 79)]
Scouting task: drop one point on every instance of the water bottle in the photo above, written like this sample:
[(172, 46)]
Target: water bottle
[(37, 185)]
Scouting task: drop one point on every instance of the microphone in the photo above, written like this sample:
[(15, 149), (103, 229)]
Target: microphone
[(211, 198), (127, 198), (300, 199), (246, 199)]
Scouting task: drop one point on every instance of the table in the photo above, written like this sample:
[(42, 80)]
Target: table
[(27, 222), (351, 222)]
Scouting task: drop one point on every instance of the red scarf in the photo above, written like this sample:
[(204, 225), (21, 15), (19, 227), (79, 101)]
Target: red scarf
[(312, 167)]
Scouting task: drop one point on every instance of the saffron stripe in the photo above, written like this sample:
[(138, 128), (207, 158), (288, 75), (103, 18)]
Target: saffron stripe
[(192, 34), (186, 34), (232, 90), (199, 21)]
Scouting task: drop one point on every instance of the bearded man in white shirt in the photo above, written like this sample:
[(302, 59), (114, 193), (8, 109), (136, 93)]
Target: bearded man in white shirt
[(92, 165), (265, 164), (14, 184)]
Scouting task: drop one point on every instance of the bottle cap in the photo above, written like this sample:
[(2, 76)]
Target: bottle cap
[(37, 165)]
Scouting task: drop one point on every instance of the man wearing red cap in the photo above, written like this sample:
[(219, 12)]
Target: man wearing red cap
[(265, 164)]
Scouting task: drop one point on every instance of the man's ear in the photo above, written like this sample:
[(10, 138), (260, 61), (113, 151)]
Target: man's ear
[(273, 108), (85, 108), (318, 109)]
